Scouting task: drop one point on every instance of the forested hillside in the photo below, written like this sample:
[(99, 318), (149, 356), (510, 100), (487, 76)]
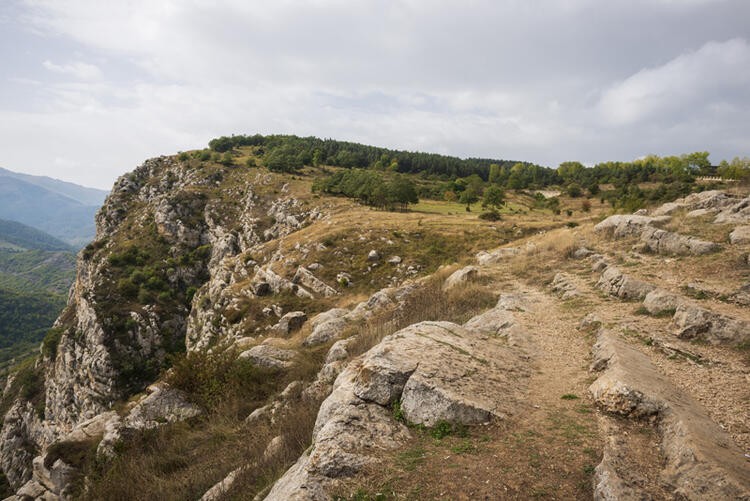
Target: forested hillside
[(36, 271)]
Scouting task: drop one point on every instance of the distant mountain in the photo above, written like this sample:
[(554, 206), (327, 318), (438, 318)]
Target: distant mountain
[(64, 210), (82, 194), (18, 236)]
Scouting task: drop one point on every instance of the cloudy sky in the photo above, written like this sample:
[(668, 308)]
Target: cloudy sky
[(88, 89)]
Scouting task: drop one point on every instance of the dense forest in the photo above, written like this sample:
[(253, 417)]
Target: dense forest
[(23, 236), (288, 153), (24, 320)]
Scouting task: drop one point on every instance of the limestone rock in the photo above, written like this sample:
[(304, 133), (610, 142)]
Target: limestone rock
[(625, 225), (701, 460), (163, 404), (460, 277), (485, 258), (667, 242), (564, 287), (437, 370), (327, 326), (395, 260), (694, 322), (306, 278), (19, 443), (737, 213), (740, 235), (660, 301), (268, 356), (712, 200), (616, 283), (218, 491), (590, 323), (582, 253), (373, 256), (290, 322)]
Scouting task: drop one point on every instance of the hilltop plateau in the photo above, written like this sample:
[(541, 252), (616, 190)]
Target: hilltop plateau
[(292, 318)]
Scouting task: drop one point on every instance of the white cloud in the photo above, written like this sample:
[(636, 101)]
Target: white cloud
[(78, 70), (552, 81), (690, 81)]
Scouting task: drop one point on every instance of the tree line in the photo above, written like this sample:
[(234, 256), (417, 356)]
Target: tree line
[(370, 188)]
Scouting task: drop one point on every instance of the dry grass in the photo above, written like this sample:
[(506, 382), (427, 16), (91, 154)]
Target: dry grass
[(183, 460), (545, 256), (428, 302)]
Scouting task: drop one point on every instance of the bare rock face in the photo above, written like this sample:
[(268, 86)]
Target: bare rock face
[(22, 436), (327, 326), (740, 235), (306, 278), (616, 283), (625, 225), (564, 287), (702, 461), (436, 371), (667, 242), (460, 277), (485, 258), (738, 213), (270, 357), (290, 322), (694, 322), (708, 201), (659, 302)]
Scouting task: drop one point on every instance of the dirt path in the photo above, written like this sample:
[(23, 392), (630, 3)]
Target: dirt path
[(547, 450)]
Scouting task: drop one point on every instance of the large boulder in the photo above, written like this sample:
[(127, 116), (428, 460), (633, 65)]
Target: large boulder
[(667, 242), (626, 225), (660, 302), (694, 322), (461, 277), (740, 235), (327, 326), (290, 322), (700, 459), (616, 283), (270, 357), (435, 370), (736, 213)]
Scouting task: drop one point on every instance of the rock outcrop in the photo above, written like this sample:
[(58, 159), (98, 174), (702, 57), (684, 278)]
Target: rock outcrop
[(740, 235), (625, 225), (563, 286), (667, 242), (738, 213), (461, 277), (702, 461), (616, 283), (434, 371), (661, 302), (694, 322), (708, 201)]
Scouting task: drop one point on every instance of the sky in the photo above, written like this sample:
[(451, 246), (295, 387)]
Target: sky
[(90, 89)]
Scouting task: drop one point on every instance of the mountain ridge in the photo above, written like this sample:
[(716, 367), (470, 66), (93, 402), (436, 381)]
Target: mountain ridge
[(227, 317)]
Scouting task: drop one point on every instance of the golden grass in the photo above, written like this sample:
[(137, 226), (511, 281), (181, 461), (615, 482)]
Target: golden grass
[(429, 302)]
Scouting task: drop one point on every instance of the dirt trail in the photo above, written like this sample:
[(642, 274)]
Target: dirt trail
[(547, 450)]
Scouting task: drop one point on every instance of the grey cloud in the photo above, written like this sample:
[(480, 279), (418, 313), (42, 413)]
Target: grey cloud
[(544, 81)]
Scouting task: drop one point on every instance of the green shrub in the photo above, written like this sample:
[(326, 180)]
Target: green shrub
[(491, 215), (211, 378), (51, 342)]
